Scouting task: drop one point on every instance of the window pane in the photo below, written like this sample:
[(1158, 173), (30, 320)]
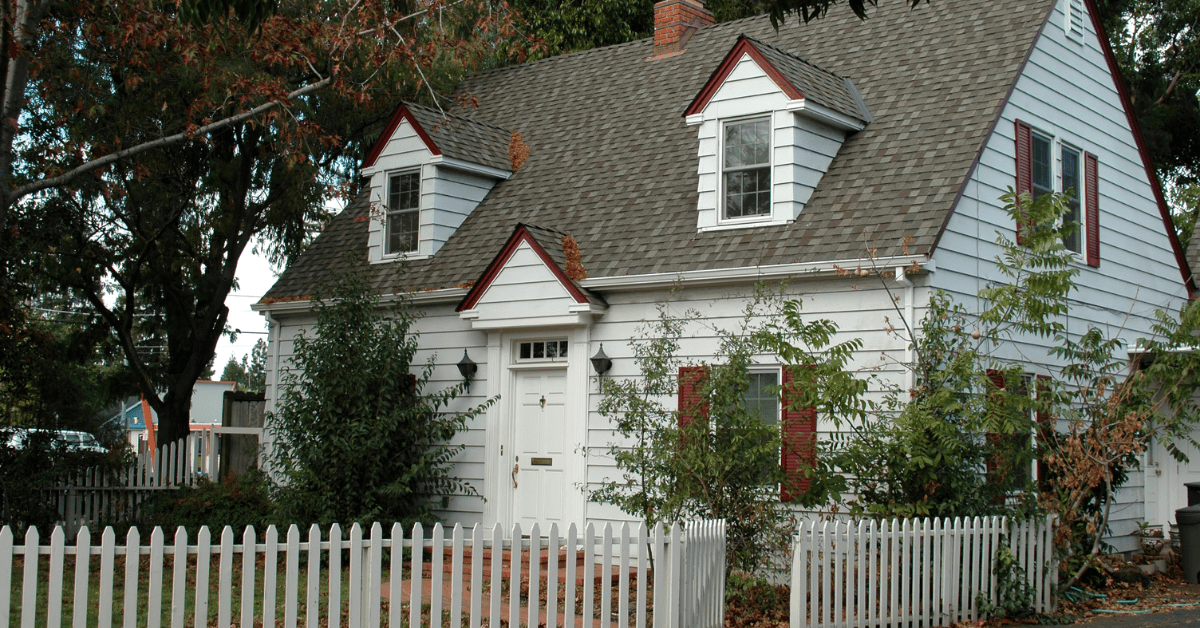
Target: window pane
[(759, 397), (403, 217), (747, 143), (747, 176), (562, 349), (539, 350), (1043, 169), (404, 191), (525, 350), (1070, 183), (551, 349)]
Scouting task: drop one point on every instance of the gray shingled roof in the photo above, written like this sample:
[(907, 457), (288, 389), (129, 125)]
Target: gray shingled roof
[(461, 138), (613, 163), (821, 86)]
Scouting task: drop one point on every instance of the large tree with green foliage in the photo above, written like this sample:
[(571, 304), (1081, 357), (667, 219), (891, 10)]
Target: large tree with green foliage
[(358, 436), (199, 138)]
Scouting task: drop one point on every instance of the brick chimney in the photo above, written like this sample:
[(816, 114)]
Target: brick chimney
[(674, 23)]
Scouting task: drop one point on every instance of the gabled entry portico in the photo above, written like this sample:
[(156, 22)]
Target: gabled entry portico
[(538, 323)]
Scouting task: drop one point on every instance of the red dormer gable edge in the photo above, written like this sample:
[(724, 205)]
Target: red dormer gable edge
[(521, 234), (743, 46), (401, 113)]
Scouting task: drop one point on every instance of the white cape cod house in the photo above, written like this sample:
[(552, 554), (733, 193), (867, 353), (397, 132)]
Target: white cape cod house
[(712, 157)]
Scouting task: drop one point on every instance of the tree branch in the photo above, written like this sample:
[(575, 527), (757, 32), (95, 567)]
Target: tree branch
[(66, 177)]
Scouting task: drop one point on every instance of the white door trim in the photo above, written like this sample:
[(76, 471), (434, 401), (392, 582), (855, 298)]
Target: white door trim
[(501, 433)]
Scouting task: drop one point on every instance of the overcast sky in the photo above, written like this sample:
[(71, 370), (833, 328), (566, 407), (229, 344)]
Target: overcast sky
[(255, 276)]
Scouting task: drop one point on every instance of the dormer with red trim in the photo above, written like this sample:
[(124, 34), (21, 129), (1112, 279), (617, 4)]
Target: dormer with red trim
[(526, 285), (428, 171), (770, 124)]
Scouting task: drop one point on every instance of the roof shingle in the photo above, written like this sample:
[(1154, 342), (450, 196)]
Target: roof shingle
[(613, 163)]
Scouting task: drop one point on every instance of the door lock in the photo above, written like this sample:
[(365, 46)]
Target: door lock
[(515, 471)]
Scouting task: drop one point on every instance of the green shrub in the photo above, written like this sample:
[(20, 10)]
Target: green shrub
[(236, 501)]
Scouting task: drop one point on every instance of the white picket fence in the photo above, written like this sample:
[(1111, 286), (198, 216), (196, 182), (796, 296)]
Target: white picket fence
[(685, 588), (97, 496), (912, 572)]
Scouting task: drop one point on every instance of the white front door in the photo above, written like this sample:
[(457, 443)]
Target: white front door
[(539, 474)]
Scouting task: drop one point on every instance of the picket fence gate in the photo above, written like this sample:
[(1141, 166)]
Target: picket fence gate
[(912, 572), (95, 496), (688, 588)]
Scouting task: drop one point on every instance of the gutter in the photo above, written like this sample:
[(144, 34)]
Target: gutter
[(773, 272), (653, 281), (424, 297)]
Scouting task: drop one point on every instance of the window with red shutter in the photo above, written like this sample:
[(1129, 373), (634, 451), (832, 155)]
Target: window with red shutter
[(1091, 186), (1045, 432), (692, 404), (1037, 155), (799, 433), (1024, 152), (1000, 467)]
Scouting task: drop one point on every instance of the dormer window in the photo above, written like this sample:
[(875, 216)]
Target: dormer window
[(746, 169), (769, 125), (403, 212)]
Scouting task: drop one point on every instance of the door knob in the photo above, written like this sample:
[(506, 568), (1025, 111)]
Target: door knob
[(516, 469)]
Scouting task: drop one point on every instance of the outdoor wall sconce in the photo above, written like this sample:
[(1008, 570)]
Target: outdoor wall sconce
[(601, 362), (467, 368)]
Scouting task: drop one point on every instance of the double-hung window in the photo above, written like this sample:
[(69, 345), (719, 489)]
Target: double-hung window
[(1069, 183), (1046, 165), (403, 212), (746, 169), (1072, 220)]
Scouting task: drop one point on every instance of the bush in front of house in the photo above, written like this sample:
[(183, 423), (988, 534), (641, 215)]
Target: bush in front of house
[(236, 501), (358, 437)]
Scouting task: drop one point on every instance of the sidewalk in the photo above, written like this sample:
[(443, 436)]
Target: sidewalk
[(1183, 617)]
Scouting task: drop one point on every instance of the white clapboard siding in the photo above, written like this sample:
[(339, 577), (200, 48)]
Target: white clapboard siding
[(689, 588), (918, 572)]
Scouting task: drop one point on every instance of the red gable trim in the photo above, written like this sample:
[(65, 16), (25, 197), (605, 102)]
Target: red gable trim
[(743, 46), (1168, 223), (401, 113), (510, 248)]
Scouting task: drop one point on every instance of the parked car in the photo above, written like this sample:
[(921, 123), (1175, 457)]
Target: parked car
[(71, 440)]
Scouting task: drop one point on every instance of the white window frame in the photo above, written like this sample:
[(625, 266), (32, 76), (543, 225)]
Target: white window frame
[(769, 216), (516, 349), (388, 213), (1056, 178)]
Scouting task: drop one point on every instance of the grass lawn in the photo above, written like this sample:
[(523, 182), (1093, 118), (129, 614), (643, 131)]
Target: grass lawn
[(164, 595)]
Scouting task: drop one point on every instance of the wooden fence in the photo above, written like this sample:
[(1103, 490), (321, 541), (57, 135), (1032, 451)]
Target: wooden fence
[(96, 497), (261, 580), (912, 572)]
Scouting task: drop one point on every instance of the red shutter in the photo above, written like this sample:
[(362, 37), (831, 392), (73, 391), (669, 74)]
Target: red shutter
[(691, 388), (994, 439), (1024, 165), (799, 437), (1091, 186), (1045, 432)]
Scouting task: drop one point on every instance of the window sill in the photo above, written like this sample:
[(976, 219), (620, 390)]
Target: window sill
[(745, 225), (400, 257)]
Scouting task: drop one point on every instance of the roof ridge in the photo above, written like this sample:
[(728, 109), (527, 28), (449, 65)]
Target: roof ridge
[(793, 55), (632, 42)]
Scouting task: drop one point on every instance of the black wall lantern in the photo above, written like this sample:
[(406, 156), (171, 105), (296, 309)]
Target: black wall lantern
[(601, 362), (467, 368)]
